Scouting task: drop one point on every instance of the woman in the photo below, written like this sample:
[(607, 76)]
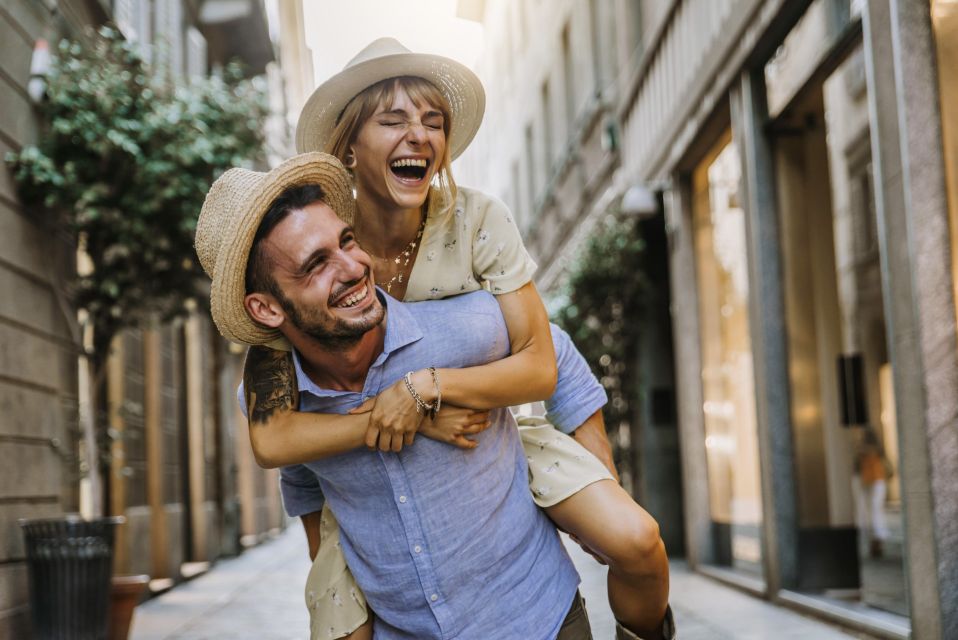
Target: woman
[(396, 120)]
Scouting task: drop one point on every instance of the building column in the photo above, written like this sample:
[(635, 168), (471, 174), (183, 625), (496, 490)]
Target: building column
[(115, 377), (769, 334), (699, 545), (152, 397), (196, 463), (916, 260)]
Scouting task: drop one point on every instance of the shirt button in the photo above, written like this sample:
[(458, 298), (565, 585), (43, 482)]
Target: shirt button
[(402, 499), (417, 549), (434, 597)]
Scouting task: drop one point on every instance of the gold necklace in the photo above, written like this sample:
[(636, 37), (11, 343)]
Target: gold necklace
[(404, 257)]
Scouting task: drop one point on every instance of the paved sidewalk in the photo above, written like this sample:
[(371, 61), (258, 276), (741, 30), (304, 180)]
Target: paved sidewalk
[(259, 596)]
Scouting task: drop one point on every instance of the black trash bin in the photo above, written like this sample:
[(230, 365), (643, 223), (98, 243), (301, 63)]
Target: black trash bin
[(70, 563)]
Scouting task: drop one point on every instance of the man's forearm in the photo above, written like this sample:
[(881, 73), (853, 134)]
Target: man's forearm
[(591, 434)]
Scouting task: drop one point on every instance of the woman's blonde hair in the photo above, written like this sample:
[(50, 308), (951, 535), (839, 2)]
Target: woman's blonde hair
[(364, 105)]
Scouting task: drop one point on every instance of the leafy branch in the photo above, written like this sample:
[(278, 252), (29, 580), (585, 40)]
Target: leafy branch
[(125, 161)]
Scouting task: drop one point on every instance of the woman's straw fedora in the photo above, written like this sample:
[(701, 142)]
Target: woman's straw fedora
[(231, 214), (383, 59)]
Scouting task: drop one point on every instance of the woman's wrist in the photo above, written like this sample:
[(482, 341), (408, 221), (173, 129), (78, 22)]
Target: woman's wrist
[(423, 383)]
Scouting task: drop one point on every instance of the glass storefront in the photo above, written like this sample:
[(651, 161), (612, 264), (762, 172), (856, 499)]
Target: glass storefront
[(843, 419), (727, 378)]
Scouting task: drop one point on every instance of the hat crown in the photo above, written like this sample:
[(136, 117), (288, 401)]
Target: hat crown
[(380, 60), (378, 48), (218, 208)]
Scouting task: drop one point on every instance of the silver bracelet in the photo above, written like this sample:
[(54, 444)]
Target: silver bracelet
[(421, 406), (435, 380)]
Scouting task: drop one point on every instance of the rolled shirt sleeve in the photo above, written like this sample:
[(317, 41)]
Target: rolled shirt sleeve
[(300, 490), (578, 393)]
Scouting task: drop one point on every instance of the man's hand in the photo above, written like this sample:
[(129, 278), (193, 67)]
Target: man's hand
[(591, 435), (453, 425)]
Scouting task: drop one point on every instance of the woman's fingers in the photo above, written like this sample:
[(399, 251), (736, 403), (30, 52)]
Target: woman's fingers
[(464, 443), (473, 429), (366, 406), (372, 437)]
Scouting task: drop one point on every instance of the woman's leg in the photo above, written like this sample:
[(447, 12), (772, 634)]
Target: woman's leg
[(334, 600), (605, 518)]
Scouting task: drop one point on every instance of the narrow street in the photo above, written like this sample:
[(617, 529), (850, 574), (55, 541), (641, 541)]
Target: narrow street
[(259, 596)]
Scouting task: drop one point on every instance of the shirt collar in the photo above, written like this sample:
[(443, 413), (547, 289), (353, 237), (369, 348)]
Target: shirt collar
[(401, 329)]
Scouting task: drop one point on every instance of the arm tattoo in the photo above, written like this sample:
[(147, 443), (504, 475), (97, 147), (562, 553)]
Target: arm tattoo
[(269, 379)]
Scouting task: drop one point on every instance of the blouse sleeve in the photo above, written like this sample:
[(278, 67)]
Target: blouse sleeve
[(500, 259)]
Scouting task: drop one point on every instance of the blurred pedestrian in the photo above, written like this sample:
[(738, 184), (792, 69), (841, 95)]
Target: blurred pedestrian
[(872, 471)]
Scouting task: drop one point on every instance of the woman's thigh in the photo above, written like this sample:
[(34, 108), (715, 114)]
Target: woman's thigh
[(605, 518)]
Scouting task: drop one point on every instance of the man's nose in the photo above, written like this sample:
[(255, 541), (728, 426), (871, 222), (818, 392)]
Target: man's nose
[(352, 268)]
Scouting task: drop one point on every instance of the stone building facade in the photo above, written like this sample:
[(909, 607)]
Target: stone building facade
[(804, 154), (181, 472)]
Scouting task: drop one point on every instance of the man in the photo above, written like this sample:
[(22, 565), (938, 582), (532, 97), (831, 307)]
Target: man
[(298, 270), (444, 543)]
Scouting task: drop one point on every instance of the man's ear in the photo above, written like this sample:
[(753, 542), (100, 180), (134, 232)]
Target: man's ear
[(264, 309)]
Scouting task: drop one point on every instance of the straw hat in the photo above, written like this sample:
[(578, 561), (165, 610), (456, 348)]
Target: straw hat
[(383, 59), (231, 214)]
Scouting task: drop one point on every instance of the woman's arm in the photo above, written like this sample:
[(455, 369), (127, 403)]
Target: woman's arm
[(281, 436), (528, 375)]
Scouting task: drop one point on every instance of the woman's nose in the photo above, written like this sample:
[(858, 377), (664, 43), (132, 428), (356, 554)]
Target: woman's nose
[(416, 132)]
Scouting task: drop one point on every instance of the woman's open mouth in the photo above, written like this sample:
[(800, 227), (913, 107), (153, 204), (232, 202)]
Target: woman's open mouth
[(409, 169)]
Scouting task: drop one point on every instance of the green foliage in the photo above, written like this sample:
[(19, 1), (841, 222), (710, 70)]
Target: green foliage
[(127, 158), (599, 304)]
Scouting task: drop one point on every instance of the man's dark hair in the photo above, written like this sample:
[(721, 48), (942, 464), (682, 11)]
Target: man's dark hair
[(259, 277)]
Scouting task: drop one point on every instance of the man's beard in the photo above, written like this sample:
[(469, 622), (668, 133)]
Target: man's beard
[(335, 334)]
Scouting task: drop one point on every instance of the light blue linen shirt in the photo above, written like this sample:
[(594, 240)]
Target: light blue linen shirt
[(444, 542)]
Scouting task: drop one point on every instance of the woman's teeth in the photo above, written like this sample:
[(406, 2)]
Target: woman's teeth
[(410, 168), (409, 162), (353, 299)]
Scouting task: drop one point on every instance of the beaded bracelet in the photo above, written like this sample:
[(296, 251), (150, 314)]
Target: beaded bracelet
[(421, 406)]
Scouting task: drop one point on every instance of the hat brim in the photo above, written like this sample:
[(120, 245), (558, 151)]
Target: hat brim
[(461, 87), (228, 290)]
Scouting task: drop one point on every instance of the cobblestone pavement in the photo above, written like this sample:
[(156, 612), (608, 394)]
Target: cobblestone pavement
[(259, 596)]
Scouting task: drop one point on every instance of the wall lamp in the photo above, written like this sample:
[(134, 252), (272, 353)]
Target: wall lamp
[(642, 201), (39, 68)]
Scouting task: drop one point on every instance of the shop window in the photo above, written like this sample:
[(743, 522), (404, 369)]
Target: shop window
[(727, 376), (842, 401)]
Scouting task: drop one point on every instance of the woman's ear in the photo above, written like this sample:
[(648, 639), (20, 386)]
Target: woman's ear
[(264, 309), (350, 162)]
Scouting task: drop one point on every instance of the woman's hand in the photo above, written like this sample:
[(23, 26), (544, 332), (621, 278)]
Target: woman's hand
[(453, 424), (394, 418)]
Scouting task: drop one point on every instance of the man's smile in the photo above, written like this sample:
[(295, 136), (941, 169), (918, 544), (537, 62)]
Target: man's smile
[(353, 297)]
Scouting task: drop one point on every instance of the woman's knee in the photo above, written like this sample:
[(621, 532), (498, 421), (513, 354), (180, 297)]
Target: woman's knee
[(637, 543)]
